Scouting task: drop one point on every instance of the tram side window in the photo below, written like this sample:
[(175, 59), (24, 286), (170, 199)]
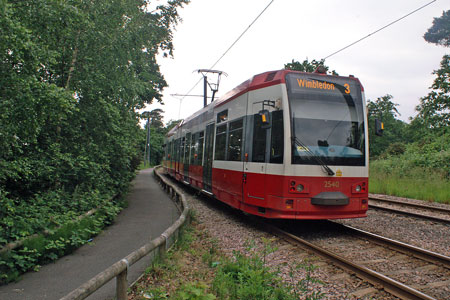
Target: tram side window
[(259, 140), (277, 139), (168, 148), (177, 150), (221, 139), (187, 148), (235, 140), (182, 150), (200, 148), (193, 160), (193, 148)]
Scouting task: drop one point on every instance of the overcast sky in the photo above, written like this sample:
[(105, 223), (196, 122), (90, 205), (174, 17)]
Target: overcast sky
[(395, 61)]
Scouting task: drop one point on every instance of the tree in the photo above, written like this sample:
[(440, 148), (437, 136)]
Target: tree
[(394, 134), (157, 135), (307, 66), (434, 109), (72, 76), (439, 33), (156, 118)]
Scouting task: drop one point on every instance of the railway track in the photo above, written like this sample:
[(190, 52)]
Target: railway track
[(406, 271), (437, 214)]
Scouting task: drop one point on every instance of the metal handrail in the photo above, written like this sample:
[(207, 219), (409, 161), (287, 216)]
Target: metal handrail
[(119, 270)]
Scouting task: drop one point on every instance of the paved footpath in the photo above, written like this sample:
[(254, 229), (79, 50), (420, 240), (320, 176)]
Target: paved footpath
[(149, 213)]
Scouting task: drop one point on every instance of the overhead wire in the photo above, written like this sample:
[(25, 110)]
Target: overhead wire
[(378, 30), (225, 53)]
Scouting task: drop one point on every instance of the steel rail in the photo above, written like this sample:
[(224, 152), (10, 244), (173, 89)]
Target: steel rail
[(390, 285), (418, 252), (407, 213), (415, 205)]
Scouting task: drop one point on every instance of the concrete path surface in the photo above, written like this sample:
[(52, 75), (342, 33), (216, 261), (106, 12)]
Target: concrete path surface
[(149, 213)]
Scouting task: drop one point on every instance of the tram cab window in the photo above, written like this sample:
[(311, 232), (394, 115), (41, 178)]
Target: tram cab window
[(221, 139), (259, 140), (277, 138), (234, 151)]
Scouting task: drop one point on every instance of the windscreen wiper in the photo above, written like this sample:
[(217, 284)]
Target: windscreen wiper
[(316, 157)]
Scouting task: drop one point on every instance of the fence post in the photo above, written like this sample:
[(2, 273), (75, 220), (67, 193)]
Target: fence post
[(122, 284), (163, 247)]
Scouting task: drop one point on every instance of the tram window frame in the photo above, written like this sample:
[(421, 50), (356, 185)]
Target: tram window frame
[(277, 138), (259, 140), (220, 142), (235, 130)]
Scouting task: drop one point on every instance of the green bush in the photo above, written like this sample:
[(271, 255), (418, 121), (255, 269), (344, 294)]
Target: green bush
[(421, 171), (61, 241)]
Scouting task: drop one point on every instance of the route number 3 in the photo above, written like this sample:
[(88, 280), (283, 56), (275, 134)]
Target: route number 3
[(347, 88)]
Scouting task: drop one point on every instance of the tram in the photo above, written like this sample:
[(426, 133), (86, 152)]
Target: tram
[(283, 144)]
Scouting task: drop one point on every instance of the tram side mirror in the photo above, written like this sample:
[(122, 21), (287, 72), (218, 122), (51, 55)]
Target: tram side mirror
[(265, 118), (379, 127)]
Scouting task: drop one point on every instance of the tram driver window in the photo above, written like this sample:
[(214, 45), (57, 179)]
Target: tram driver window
[(277, 139), (259, 140)]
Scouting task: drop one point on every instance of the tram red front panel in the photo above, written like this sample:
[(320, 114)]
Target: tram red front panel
[(283, 200)]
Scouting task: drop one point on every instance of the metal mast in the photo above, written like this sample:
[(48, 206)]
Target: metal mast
[(214, 86)]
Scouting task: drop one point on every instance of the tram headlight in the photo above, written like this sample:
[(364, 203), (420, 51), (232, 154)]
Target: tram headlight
[(359, 187), (300, 188)]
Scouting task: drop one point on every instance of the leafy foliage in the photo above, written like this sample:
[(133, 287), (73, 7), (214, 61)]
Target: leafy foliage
[(157, 135), (61, 241), (307, 66), (434, 109), (439, 33), (385, 109), (72, 76)]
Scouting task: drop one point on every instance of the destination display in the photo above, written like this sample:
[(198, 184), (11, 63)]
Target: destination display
[(312, 83)]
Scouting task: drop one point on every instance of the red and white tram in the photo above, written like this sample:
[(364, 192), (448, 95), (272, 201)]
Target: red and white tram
[(283, 144)]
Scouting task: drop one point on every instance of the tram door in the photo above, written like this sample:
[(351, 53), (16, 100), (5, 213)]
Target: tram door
[(208, 158), (255, 161)]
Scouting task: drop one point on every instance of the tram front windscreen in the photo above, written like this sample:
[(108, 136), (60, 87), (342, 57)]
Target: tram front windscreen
[(327, 120)]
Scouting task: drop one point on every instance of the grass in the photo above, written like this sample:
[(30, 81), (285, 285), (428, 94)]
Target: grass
[(142, 167), (417, 183)]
